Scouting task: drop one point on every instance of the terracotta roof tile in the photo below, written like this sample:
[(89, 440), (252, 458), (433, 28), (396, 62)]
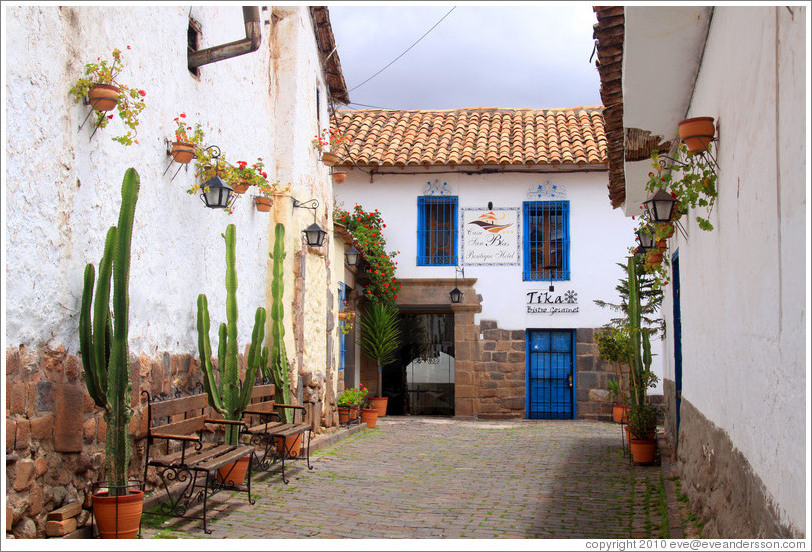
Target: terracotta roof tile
[(473, 136)]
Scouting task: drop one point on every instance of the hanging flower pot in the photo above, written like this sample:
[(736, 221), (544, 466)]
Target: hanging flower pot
[(241, 186), (103, 97), (182, 152), (328, 158), (696, 133), (339, 176), (118, 517), (263, 203)]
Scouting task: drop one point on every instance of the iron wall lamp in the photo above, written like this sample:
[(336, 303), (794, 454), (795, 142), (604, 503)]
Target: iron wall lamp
[(455, 294), (351, 256), (660, 206), (314, 235), (645, 236), (219, 194)]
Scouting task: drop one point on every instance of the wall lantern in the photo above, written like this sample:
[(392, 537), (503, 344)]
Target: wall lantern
[(660, 206), (455, 294), (645, 236), (314, 234), (351, 256), (219, 194)]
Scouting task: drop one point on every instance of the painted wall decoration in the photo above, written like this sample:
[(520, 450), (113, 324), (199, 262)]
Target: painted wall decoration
[(547, 191), (490, 237), (438, 188), (550, 303)]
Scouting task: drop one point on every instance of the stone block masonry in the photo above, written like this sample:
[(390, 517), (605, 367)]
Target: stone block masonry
[(493, 385)]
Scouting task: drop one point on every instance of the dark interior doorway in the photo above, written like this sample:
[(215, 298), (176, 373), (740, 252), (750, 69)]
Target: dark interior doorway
[(421, 380)]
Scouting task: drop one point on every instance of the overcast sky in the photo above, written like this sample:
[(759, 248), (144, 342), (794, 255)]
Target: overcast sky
[(530, 54)]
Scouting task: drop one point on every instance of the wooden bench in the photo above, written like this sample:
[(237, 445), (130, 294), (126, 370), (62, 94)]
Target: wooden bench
[(189, 468), (277, 440)]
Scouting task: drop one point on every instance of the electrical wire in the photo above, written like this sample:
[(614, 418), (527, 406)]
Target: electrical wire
[(404, 52)]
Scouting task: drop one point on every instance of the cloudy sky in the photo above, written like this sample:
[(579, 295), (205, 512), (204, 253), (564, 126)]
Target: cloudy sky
[(519, 54)]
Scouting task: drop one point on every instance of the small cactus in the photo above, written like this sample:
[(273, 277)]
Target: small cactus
[(103, 342), (229, 396)]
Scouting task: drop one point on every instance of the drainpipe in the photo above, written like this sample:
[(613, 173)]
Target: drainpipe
[(251, 42)]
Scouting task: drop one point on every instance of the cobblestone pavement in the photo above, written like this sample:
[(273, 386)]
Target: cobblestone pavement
[(420, 477)]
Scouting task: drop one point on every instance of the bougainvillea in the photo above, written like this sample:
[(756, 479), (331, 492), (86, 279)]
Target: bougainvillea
[(367, 228)]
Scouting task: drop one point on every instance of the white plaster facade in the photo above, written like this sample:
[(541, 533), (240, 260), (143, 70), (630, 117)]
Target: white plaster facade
[(599, 238), (62, 189), (744, 286)]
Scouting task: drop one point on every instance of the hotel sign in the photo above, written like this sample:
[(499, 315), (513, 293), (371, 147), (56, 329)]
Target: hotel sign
[(490, 237)]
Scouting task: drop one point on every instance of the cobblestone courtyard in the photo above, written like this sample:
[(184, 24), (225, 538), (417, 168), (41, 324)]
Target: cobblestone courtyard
[(441, 478)]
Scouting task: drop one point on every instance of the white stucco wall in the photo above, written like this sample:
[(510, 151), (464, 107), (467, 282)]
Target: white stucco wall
[(742, 285), (599, 238), (63, 190)]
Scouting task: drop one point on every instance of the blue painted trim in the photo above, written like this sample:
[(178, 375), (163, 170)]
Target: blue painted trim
[(423, 202), (561, 208)]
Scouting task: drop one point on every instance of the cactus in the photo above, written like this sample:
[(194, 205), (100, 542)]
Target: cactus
[(103, 342), (229, 396), (641, 346), (278, 367)]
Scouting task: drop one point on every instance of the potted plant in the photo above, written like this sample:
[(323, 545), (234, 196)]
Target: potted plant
[(187, 140), (267, 190), (105, 358), (349, 401), (103, 90), (691, 180), (613, 345), (696, 133), (369, 414), (339, 175), (227, 394), (642, 415), (332, 138), (380, 339)]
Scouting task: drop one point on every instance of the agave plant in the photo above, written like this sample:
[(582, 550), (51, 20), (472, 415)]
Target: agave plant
[(103, 342), (380, 335)]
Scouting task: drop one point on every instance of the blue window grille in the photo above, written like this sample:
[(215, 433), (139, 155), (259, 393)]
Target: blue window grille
[(342, 337), (437, 231), (547, 240)]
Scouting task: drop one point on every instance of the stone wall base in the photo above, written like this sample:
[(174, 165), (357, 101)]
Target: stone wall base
[(725, 493)]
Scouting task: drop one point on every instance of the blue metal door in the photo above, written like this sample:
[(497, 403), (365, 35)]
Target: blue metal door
[(550, 374), (677, 338)]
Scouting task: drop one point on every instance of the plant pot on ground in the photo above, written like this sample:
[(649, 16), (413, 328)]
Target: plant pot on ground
[(379, 404), (369, 416)]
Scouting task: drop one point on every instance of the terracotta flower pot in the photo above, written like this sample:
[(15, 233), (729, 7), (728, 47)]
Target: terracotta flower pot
[(234, 473), (329, 158), (339, 176), (292, 445), (697, 133), (118, 517), (643, 450), (619, 413), (183, 152), (343, 414), (242, 186), (379, 404), (263, 203), (103, 97), (369, 416)]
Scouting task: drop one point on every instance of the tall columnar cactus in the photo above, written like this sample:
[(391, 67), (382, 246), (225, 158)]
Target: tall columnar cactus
[(227, 395), (278, 366), (103, 342), (641, 346)]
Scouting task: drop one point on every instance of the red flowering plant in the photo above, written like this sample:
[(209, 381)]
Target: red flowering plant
[(332, 138), (367, 228), (186, 133), (130, 100)]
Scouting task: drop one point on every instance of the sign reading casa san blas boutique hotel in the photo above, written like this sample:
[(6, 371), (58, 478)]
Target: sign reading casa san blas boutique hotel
[(490, 237)]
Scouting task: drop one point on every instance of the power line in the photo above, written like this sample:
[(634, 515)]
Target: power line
[(404, 52)]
